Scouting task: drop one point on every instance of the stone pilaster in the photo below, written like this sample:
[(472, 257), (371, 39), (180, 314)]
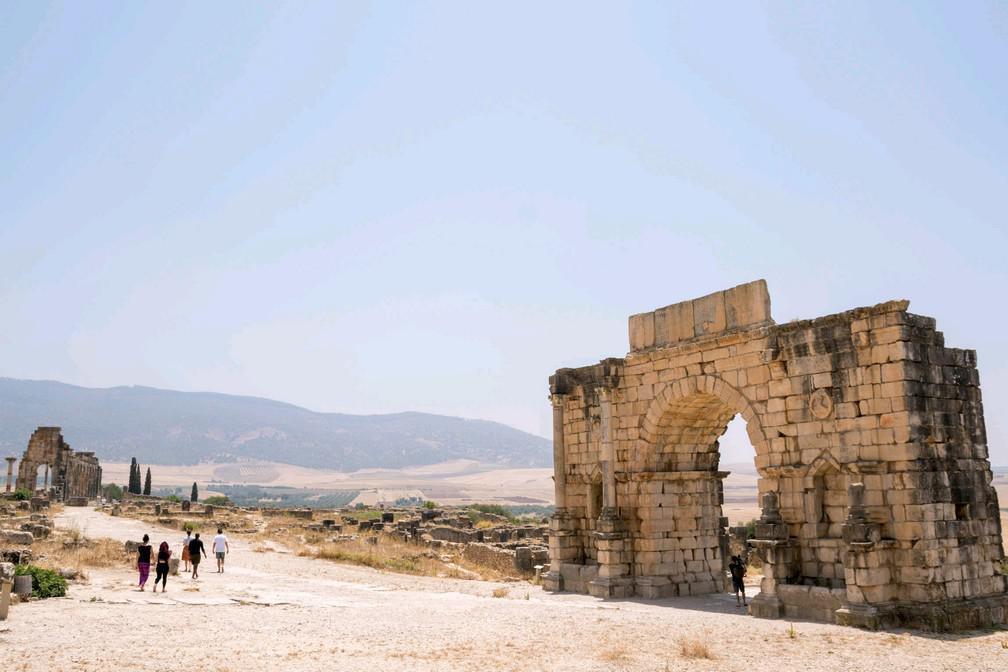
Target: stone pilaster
[(606, 450)]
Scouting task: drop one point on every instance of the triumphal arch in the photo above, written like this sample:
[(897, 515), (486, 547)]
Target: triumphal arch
[(869, 440)]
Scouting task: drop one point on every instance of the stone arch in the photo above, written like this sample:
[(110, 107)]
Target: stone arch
[(706, 404)]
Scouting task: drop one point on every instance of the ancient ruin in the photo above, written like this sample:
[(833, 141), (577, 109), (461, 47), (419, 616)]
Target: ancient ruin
[(869, 440), (68, 475)]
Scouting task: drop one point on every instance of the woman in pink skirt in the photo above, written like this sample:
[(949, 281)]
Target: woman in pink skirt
[(143, 560)]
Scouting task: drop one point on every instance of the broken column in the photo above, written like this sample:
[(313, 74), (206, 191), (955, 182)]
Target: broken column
[(10, 472)]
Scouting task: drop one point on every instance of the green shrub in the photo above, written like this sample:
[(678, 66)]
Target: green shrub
[(173, 498), (491, 509), (190, 526), (45, 582), (429, 504), (112, 492), (22, 494), (217, 500)]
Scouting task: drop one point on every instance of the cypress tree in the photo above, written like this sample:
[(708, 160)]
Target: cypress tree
[(195, 493), (147, 483), (134, 479)]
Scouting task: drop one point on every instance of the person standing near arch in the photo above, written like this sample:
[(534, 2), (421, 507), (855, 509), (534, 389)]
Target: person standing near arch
[(738, 572)]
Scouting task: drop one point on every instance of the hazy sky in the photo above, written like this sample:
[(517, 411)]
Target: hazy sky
[(374, 208)]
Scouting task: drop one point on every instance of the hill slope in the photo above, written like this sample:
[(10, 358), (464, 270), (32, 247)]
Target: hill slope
[(168, 427)]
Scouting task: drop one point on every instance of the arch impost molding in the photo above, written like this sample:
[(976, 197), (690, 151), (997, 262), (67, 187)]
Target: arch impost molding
[(645, 476)]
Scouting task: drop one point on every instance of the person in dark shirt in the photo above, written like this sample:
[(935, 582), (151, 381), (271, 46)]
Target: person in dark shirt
[(738, 572), (143, 560), (161, 568), (195, 548)]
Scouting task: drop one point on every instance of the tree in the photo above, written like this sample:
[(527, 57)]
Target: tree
[(134, 481), (147, 482), (112, 492), (195, 493)]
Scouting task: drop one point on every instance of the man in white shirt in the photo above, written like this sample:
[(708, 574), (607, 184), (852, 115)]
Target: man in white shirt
[(221, 548)]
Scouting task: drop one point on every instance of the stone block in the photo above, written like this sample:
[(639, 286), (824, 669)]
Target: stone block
[(747, 305), (642, 331), (709, 314)]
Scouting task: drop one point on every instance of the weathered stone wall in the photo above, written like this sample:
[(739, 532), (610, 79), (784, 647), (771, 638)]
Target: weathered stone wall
[(868, 436), (66, 473), (494, 557)]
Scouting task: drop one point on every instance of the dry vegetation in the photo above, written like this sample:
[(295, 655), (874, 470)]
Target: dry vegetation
[(387, 553), (694, 648), (72, 550)]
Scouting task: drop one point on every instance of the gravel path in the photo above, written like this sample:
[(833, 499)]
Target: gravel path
[(276, 610)]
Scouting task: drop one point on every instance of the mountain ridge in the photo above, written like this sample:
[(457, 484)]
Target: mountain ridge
[(177, 427)]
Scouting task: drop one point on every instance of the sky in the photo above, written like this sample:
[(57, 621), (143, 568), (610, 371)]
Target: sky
[(372, 208)]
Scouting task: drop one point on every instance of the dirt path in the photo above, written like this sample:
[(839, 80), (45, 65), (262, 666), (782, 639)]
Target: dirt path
[(276, 610)]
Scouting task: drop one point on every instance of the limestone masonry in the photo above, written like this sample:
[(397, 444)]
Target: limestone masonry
[(68, 474), (874, 479)]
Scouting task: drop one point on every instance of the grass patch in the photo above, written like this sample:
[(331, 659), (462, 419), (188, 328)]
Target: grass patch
[(500, 592), (615, 654), (791, 632), (694, 648), (369, 556), (74, 551)]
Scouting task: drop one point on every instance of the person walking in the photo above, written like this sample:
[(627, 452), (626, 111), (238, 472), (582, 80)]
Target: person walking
[(738, 572), (143, 561), (185, 550), (195, 548), (161, 568), (221, 548)]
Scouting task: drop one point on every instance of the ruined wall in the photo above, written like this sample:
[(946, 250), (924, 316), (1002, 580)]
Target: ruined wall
[(868, 436), (67, 473)]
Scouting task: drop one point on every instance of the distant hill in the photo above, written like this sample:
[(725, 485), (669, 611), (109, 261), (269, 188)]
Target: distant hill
[(168, 427)]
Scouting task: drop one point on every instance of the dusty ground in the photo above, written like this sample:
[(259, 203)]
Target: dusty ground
[(275, 610)]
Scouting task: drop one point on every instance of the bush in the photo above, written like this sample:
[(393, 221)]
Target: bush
[(173, 498), (217, 500), (45, 582), (429, 504), (112, 492), (22, 494), (492, 510)]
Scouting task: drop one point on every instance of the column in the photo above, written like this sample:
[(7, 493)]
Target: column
[(10, 471), (563, 543), (45, 481), (559, 458)]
